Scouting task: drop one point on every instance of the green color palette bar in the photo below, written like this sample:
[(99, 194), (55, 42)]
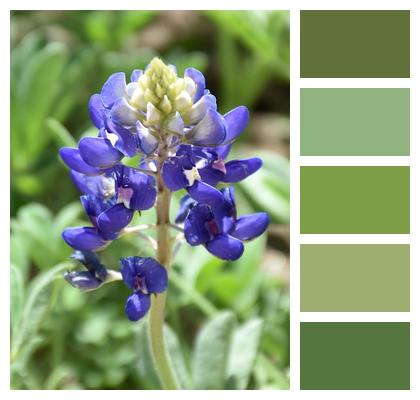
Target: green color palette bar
[(355, 278), (355, 200), (355, 355), (355, 44), (355, 122)]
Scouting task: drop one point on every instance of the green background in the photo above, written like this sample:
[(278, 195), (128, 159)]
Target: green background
[(355, 355), (359, 277), (355, 199), (355, 44), (355, 122)]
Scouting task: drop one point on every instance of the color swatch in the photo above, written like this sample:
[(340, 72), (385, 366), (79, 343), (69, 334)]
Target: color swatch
[(355, 277), (355, 199), (355, 44), (355, 122), (355, 355)]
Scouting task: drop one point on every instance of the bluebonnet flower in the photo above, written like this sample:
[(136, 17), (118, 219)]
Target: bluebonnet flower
[(110, 201), (183, 141), (144, 276), (218, 228), (94, 276)]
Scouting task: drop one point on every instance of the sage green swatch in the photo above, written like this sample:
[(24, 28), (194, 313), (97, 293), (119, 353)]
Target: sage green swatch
[(355, 44), (347, 200), (355, 122), (355, 277), (355, 355)]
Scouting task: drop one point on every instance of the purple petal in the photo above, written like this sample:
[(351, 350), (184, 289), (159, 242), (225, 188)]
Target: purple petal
[(97, 111), (82, 280), (199, 80), (195, 227), (235, 122), (223, 151), (250, 226), (84, 238), (92, 263), (185, 205), (225, 211), (209, 131), (98, 185), (143, 188), (94, 206), (148, 142), (135, 75), (237, 170), (127, 142), (173, 174), (225, 247), (137, 306), (114, 219), (204, 193), (99, 152), (211, 175), (73, 160), (124, 114), (199, 109), (113, 89)]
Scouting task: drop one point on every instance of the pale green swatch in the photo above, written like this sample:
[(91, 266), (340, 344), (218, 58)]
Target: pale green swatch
[(355, 277), (355, 122)]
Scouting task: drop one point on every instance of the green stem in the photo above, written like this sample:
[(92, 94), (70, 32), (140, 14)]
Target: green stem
[(160, 354)]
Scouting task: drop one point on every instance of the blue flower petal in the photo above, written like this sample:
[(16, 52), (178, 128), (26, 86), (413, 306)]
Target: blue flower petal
[(250, 226), (82, 280), (143, 186), (99, 185), (199, 80), (92, 263), (225, 247), (99, 152), (113, 89), (185, 205), (209, 131), (204, 193), (173, 174), (225, 211), (148, 142), (114, 219), (200, 108), (137, 306), (97, 111), (235, 122), (135, 75), (223, 151), (124, 114), (237, 170), (127, 142), (196, 225), (84, 238), (73, 160)]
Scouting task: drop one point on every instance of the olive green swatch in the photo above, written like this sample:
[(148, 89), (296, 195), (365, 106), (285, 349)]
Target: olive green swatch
[(355, 44), (355, 277), (355, 122), (355, 200), (355, 355)]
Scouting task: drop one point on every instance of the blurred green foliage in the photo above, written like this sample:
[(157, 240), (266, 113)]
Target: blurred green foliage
[(228, 322)]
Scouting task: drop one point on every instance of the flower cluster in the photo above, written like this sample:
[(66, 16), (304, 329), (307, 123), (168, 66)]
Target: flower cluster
[(183, 142)]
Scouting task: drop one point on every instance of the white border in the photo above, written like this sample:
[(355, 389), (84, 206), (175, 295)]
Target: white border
[(296, 84)]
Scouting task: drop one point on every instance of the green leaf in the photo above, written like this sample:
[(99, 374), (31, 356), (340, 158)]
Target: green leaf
[(36, 305), (60, 134), (243, 353), (17, 295), (38, 86), (177, 358), (211, 349)]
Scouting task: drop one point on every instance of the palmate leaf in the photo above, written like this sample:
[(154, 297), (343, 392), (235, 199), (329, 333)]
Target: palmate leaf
[(211, 349), (39, 297)]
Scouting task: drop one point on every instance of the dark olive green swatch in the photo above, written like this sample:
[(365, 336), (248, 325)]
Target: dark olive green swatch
[(355, 122), (355, 355), (355, 44), (355, 200), (355, 277)]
